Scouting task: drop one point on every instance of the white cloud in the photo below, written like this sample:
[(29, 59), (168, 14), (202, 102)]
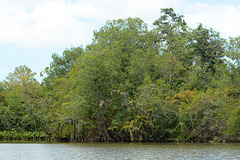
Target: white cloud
[(62, 23), (222, 18), (48, 24)]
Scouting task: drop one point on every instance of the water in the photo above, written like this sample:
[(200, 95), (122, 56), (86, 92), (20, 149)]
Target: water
[(119, 151)]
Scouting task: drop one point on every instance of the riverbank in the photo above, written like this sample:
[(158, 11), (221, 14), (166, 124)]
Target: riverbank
[(43, 137), (23, 136)]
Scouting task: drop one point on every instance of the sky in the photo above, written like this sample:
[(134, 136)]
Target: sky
[(32, 30)]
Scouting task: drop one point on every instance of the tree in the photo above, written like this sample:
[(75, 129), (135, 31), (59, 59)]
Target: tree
[(169, 24), (173, 37), (233, 53), (132, 83), (155, 115), (208, 48), (2, 95), (61, 65), (22, 95)]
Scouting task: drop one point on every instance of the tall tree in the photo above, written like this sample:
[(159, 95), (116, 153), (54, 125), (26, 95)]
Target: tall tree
[(22, 95), (61, 64), (208, 48)]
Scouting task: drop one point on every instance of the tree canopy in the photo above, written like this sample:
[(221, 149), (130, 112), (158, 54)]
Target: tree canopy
[(132, 83)]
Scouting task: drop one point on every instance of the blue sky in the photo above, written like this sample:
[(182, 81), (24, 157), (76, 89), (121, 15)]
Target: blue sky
[(31, 30)]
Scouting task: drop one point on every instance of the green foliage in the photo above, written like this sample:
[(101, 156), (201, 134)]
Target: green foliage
[(197, 115), (22, 98), (3, 99), (208, 48), (132, 83), (23, 136), (61, 65)]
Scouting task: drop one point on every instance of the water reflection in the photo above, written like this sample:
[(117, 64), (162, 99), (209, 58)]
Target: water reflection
[(92, 151)]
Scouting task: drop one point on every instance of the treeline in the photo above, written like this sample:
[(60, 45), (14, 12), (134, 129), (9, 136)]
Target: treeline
[(132, 83)]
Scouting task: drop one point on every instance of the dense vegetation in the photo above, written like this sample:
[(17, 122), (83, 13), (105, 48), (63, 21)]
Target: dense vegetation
[(132, 83)]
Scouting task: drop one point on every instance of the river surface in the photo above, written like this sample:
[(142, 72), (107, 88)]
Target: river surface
[(119, 151)]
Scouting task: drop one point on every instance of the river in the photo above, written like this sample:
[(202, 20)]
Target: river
[(119, 151)]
